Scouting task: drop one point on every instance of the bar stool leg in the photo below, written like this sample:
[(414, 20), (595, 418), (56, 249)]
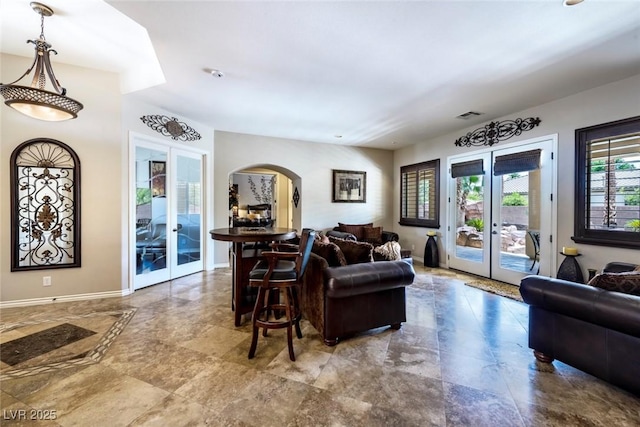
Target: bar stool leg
[(267, 308), (287, 309), (297, 311), (254, 318)]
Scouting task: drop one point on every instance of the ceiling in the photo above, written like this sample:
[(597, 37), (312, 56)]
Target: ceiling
[(381, 74)]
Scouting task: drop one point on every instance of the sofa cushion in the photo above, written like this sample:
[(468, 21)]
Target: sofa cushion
[(329, 251), (355, 229), (627, 282), (372, 235), (354, 252)]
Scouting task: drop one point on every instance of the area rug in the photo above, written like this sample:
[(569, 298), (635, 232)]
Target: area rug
[(40, 346), (498, 288)]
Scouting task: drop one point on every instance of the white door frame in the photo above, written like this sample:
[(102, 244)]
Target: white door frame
[(142, 140), (548, 245)]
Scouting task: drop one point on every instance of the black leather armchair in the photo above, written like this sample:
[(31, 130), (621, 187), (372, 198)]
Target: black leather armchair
[(594, 330)]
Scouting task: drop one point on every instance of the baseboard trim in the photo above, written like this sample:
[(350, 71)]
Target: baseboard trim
[(221, 265), (63, 298)]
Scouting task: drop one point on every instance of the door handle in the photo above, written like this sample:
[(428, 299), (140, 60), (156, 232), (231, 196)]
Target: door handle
[(494, 232)]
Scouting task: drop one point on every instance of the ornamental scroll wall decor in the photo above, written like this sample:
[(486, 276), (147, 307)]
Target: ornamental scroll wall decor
[(495, 132), (45, 206), (171, 127), (296, 197)]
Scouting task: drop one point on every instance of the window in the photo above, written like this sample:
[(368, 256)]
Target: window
[(420, 194), (608, 184)]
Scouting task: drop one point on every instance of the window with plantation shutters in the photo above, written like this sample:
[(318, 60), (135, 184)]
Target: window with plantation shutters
[(608, 184), (420, 194)]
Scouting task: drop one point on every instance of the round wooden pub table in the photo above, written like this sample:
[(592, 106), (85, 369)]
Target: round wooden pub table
[(245, 257)]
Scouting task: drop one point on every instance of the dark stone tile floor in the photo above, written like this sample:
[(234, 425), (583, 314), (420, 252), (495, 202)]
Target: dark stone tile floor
[(461, 359)]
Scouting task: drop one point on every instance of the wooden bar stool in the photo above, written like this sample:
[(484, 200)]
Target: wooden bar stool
[(282, 273)]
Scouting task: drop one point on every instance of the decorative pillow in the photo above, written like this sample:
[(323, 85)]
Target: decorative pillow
[(354, 252), (355, 229), (627, 282), (321, 237), (390, 251), (372, 235), (329, 251)]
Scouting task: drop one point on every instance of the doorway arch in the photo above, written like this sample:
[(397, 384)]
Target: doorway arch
[(293, 202)]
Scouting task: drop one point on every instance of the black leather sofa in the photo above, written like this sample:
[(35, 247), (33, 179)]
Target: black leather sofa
[(344, 300), (591, 329)]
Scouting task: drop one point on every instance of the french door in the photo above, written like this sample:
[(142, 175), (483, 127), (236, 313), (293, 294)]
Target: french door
[(501, 204), (167, 216)]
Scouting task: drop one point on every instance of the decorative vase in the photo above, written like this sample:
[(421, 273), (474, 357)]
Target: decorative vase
[(570, 269), (431, 258)]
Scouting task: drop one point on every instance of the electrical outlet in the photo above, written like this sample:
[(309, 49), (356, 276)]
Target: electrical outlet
[(46, 281), (413, 247)]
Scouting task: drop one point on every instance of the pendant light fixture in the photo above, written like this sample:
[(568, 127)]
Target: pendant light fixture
[(34, 101)]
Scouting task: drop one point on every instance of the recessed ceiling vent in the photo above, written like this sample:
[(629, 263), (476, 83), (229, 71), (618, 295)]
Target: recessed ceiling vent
[(468, 115)]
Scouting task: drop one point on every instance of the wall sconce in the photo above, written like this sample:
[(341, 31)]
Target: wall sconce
[(33, 100)]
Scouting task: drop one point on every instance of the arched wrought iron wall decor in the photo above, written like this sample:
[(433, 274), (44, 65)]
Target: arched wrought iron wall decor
[(495, 132), (171, 127), (45, 206)]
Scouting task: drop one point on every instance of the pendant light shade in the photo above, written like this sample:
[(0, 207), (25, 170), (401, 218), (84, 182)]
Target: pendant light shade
[(34, 101)]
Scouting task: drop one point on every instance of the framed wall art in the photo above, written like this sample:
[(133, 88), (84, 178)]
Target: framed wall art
[(349, 186), (158, 172)]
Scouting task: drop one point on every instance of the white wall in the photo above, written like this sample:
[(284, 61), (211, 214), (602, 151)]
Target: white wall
[(313, 163), (607, 103), (100, 137), (96, 137)]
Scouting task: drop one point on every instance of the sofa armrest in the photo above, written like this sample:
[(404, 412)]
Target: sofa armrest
[(389, 236), (618, 267), (364, 278), (613, 310)]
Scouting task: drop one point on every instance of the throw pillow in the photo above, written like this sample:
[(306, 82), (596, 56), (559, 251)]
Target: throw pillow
[(321, 237), (390, 251), (372, 235), (329, 251), (354, 252), (355, 229), (627, 282)]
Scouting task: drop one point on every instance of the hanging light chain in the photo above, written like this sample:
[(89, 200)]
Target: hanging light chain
[(42, 26)]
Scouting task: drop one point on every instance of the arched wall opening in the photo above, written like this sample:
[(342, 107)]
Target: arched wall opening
[(287, 206)]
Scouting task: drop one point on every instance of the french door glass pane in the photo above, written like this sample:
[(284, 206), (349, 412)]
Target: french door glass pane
[(469, 218), (151, 210), (520, 221), (188, 197)]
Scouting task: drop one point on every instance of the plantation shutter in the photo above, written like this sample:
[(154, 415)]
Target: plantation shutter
[(419, 194)]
